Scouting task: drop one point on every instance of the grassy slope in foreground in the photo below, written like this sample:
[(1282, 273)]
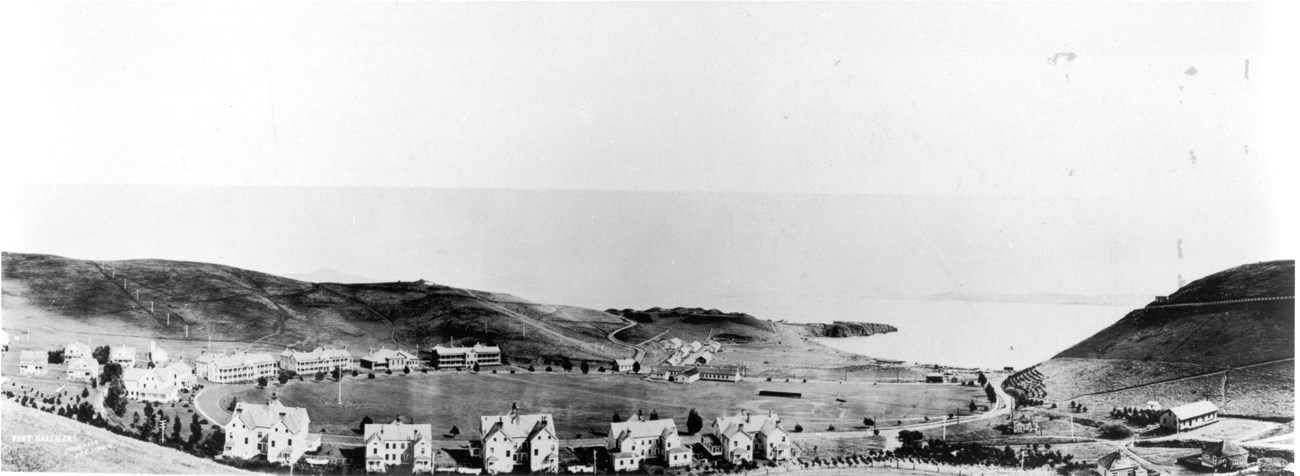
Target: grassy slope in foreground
[(1156, 344), (80, 448)]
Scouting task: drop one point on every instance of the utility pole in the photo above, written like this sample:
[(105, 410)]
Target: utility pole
[(150, 307)]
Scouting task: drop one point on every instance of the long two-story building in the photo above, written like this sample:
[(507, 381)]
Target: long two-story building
[(150, 385), (1189, 416), (388, 359), (454, 357), (235, 367), (318, 360)]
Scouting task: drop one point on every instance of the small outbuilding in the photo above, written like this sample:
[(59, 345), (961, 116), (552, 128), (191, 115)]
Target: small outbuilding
[(934, 377), (1224, 455), (1116, 464)]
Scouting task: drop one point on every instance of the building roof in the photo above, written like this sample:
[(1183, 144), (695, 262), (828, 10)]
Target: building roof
[(934, 374), (82, 363), (642, 429), (121, 352), (78, 345), (691, 372), (746, 422), (516, 426), (388, 354), (1224, 448), (318, 353), (1116, 461), (32, 355), (622, 362), (241, 359), (180, 368), (135, 375), (256, 416), (1193, 410), (478, 349), (679, 449), (399, 432)]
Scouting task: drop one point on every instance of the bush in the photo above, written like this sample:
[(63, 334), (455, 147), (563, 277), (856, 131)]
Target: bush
[(1115, 431), (371, 375)]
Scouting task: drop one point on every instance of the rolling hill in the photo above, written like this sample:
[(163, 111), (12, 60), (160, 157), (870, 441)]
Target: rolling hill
[(186, 303), (39, 441), (1214, 338)]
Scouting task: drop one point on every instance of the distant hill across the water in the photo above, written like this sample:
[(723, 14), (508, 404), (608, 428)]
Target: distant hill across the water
[(1229, 347), (330, 275)]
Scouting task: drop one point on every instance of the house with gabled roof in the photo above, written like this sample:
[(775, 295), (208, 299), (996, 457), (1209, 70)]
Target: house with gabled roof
[(1024, 424), (745, 436), (122, 355), (157, 355), (623, 365), (1189, 416), (82, 369), (1224, 455), (150, 385), (674, 343), (76, 350), (388, 359), (636, 440), (399, 443), (516, 440), (32, 362), (273, 430), (1116, 464), (181, 373)]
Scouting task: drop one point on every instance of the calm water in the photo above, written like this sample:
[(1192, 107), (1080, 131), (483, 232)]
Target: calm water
[(959, 333)]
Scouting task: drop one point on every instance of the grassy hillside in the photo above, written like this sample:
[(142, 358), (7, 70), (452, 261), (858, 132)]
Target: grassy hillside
[(240, 306), (1180, 354), (38, 441), (1218, 335)]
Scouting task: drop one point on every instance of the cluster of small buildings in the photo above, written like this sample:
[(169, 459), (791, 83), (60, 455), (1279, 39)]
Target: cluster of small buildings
[(745, 437), (692, 353)]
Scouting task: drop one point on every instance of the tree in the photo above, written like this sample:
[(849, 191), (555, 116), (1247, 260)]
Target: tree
[(196, 432), (85, 393), (112, 371), (531, 369), (830, 428), (455, 431), (101, 354), (320, 376), (617, 418), (476, 367), (1115, 431), (548, 368), (135, 418), (910, 438), (868, 422), (261, 381), (406, 370), (875, 432), (54, 356), (365, 421), (176, 430), (694, 423), (654, 414), (601, 369), (636, 367), (115, 399), (215, 443), (972, 405), (388, 371), (354, 372), (798, 428), (371, 375), (585, 368), (283, 378), (992, 394), (982, 379), (336, 373)]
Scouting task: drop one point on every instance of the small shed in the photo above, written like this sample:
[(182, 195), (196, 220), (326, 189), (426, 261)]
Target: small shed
[(934, 377)]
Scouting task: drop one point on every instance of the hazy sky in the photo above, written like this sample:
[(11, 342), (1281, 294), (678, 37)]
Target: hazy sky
[(571, 151)]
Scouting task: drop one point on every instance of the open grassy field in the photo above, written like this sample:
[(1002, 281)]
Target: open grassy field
[(1066, 378), (1261, 392), (583, 405), (71, 447)]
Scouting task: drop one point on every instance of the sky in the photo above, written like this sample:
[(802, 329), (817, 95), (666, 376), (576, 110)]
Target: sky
[(638, 152)]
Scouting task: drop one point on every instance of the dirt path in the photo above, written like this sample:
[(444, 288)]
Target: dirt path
[(392, 328)]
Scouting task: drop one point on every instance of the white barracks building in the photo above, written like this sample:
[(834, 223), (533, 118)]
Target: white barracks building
[(452, 357), (319, 360), (238, 367)]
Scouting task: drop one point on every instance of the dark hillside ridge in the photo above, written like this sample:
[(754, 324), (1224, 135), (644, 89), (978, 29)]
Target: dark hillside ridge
[(847, 329), (1219, 335), (238, 305)]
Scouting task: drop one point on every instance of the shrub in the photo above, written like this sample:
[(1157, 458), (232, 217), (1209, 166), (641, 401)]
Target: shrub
[(1115, 431), (370, 375)]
